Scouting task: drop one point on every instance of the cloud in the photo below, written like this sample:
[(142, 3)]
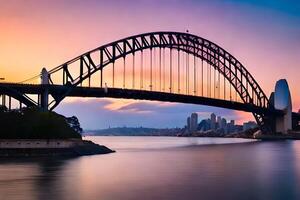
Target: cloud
[(129, 106), (145, 106), (101, 113)]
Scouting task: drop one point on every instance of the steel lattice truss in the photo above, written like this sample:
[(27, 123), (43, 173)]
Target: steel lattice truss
[(223, 62), (15, 94), (220, 59)]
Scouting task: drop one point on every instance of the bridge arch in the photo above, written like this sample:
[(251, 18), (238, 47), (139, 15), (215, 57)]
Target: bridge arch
[(227, 65)]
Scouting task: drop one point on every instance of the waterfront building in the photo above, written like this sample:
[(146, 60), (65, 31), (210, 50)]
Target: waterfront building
[(231, 126), (217, 124), (213, 121), (223, 123), (219, 120), (188, 124), (193, 122), (249, 125)]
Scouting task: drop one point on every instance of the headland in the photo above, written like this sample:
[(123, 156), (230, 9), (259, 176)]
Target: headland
[(30, 132)]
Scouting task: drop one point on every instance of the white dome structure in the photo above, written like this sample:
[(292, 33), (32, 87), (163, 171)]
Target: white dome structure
[(282, 101)]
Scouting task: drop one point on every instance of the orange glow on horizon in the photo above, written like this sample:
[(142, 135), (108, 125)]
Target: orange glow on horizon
[(35, 35)]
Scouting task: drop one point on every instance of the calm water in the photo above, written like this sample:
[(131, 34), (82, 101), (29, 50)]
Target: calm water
[(161, 168)]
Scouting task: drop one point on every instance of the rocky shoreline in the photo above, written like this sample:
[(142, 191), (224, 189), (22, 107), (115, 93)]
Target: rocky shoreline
[(52, 148)]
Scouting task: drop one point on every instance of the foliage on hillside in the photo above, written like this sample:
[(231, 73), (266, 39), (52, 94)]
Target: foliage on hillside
[(34, 124)]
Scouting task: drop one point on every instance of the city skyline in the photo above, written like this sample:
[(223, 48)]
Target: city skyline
[(216, 123), (37, 42)]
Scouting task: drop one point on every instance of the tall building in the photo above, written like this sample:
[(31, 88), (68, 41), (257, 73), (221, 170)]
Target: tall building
[(193, 122), (223, 123), (231, 126), (219, 120), (188, 124), (213, 121), (232, 122)]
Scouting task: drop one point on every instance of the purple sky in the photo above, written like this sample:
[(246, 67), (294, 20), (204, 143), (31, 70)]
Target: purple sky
[(264, 35)]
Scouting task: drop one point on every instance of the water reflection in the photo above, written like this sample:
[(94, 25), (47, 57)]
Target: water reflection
[(255, 170), (151, 143), (30, 178)]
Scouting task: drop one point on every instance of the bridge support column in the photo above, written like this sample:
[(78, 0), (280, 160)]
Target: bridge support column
[(3, 100), (282, 101), (44, 96)]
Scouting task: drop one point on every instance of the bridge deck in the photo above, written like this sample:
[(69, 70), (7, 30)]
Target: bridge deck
[(57, 90)]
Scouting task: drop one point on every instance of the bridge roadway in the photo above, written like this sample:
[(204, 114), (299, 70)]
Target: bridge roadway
[(58, 90)]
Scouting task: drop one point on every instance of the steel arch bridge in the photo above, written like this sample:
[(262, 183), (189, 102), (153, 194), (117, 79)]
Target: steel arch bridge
[(164, 66)]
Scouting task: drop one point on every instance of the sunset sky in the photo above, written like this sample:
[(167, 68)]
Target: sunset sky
[(262, 34)]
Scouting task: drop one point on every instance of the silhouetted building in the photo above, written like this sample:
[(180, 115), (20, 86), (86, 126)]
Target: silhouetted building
[(232, 122), (249, 125), (213, 121), (204, 125), (223, 123), (193, 122), (188, 124), (219, 120), (231, 126), (217, 124)]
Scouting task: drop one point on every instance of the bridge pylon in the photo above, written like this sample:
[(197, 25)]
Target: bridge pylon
[(44, 96), (282, 101)]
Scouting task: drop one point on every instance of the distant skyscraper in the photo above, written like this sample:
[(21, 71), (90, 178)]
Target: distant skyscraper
[(213, 121), (231, 126), (193, 122), (223, 123), (188, 124), (219, 120), (208, 124)]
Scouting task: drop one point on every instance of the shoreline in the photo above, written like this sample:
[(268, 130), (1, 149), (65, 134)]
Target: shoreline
[(260, 137), (51, 147)]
